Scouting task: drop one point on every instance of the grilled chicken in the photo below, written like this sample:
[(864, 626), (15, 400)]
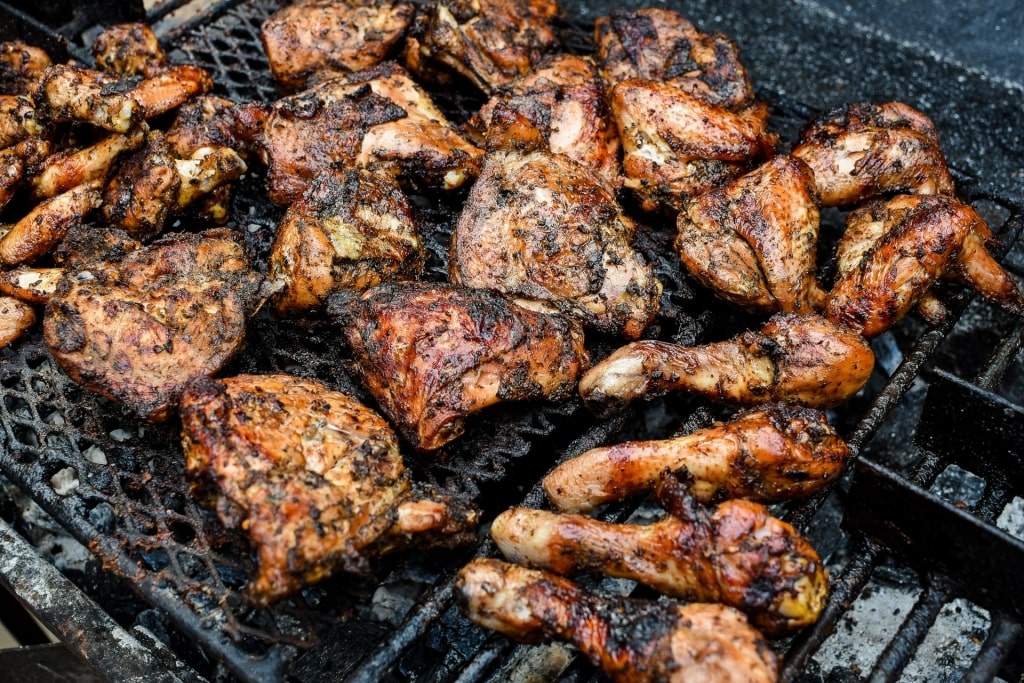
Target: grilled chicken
[(18, 120), (31, 285), (894, 250), (766, 455), (138, 328), (432, 354), (548, 232), (72, 167), (490, 42), (351, 230), (559, 107), (16, 317), (736, 554), (375, 118), (72, 93), (206, 121), (795, 358), (21, 67), (632, 641), (861, 150), (170, 88), (129, 50), (47, 224), (312, 38), (18, 162), (314, 477), (753, 242)]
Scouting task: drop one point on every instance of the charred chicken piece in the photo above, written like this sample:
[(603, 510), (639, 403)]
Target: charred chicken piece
[(737, 554), (754, 241), (21, 67), (351, 230), (632, 641), (560, 108), (375, 118), (548, 232), (894, 250), (129, 50), (70, 168), (31, 285), (19, 162), (170, 88), (794, 358), (432, 354), (490, 42), (16, 317), (71, 93), (206, 121), (766, 455), (17, 120), (138, 328), (314, 477), (316, 37), (861, 150), (85, 244), (47, 224)]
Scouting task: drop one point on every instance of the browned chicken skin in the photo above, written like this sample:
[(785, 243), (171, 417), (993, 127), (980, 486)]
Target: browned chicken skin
[(313, 476), (861, 150), (18, 120), (71, 93), (754, 241), (351, 230), (136, 329), (632, 641), (31, 285), (894, 250), (766, 454), (432, 354), (16, 317), (129, 50), (549, 233), (47, 224), (799, 358), (314, 37), (21, 67), (18, 162), (72, 167)]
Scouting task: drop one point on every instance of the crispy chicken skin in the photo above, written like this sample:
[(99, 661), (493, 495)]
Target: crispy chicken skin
[(19, 162), (559, 107), (632, 641), (795, 358), (548, 232), (204, 121), (375, 118), (47, 224), (351, 230), (894, 250), (432, 354), (16, 317), (72, 167), (736, 554), (21, 67), (31, 285), (753, 241), (490, 42), (72, 93), (313, 37), (129, 50), (18, 120), (170, 88), (765, 454), (861, 150), (314, 477), (138, 328)]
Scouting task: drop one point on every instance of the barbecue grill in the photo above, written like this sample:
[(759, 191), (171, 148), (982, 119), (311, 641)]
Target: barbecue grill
[(922, 536)]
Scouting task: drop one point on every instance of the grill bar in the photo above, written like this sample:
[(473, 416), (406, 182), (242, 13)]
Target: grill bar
[(911, 632), (1002, 636)]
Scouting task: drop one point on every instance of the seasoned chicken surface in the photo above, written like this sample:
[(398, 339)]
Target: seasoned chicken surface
[(765, 454), (377, 118), (490, 42), (558, 107), (31, 285), (71, 93), (16, 317), (18, 120), (894, 250), (21, 67), (432, 354), (169, 89), (47, 224), (753, 241), (19, 162), (205, 121), (861, 150), (549, 233), (632, 641), (129, 50), (72, 167), (737, 555), (351, 230), (314, 477), (795, 358), (314, 37), (136, 329)]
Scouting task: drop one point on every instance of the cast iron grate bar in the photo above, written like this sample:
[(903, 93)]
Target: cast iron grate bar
[(1003, 634), (911, 633)]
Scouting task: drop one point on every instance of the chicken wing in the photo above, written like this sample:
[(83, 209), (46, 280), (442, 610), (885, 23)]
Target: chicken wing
[(71, 93), (314, 477), (31, 285), (47, 224), (18, 162), (21, 67), (548, 232), (129, 50), (798, 358), (432, 354), (632, 641), (16, 317), (72, 167), (18, 120)]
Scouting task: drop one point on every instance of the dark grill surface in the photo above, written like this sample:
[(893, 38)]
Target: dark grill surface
[(908, 518)]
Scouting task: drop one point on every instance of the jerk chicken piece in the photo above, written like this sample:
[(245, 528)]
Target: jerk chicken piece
[(559, 107), (351, 230), (490, 42), (894, 250), (17, 120), (18, 162), (16, 317), (736, 554), (375, 118), (766, 455), (21, 67), (138, 328), (47, 224), (317, 37), (632, 641), (861, 150), (754, 241), (72, 93), (432, 354), (69, 168), (314, 477), (31, 285), (548, 232), (129, 50), (794, 358)]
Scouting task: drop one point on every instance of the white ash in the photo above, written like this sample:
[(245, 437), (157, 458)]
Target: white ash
[(121, 435), (391, 602), (952, 643), (64, 481), (1011, 519), (95, 455), (958, 486)]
